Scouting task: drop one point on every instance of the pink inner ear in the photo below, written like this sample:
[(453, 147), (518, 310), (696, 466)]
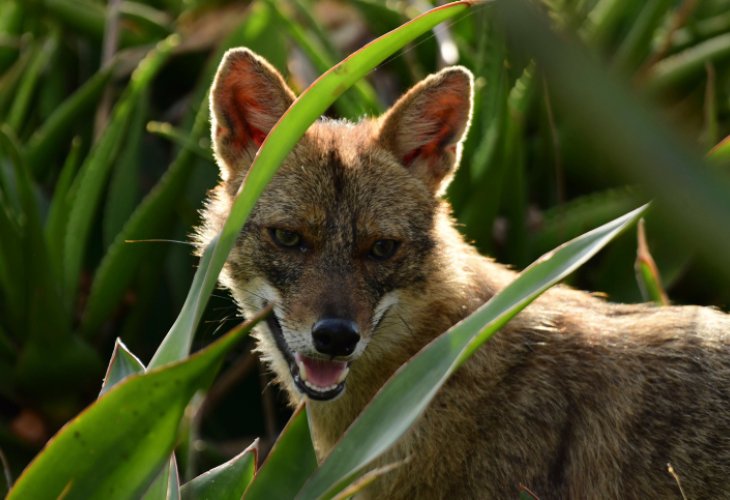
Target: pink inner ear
[(257, 136), (409, 157), (239, 108), (439, 143)]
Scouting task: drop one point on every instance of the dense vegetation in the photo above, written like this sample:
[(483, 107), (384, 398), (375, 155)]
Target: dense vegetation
[(104, 160)]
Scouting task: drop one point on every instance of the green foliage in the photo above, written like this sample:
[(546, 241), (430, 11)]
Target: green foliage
[(117, 446), (557, 146)]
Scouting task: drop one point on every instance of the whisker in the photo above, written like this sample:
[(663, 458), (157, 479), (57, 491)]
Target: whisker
[(161, 240)]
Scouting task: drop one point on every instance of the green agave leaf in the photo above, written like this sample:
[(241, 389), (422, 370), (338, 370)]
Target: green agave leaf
[(407, 394), (11, 78), (12, 302), (121, 365), (22, 100), (694, 197), (578, 215), (182, 140), (11, 23), (282, 138), (647, 273), (636, 45), (117, 268), (95, 171), (476, 195), (700, 29), (290, 462), (681, 67), (166, 485), (61, 203), (54, 132), (117, 446), (228, 481), (720, 154), (362, 101), (604, 19), (156, 22), (123, 192), (88, 17), (50, 357)]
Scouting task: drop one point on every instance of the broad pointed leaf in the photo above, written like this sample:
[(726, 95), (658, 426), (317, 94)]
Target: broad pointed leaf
[(289, 464), (121, 365), (228, 481), (117, 446)]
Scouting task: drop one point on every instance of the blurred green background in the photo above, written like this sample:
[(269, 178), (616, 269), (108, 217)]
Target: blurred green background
[(105, 160)]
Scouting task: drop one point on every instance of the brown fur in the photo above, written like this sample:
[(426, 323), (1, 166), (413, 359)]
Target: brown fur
[(575, 398)]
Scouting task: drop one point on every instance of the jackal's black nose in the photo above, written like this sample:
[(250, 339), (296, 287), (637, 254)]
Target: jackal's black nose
[(335, 336)]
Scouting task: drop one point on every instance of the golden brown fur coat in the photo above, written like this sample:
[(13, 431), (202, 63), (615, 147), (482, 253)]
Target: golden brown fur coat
[(575, 398)]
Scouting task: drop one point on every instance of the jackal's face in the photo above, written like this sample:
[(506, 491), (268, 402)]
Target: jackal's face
[(346, 225)]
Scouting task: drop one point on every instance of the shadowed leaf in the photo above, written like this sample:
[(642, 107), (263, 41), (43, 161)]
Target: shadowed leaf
[(117, 446), (228, 481)]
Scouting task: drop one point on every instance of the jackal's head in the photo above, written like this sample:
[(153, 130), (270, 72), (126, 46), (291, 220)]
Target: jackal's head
[(344, 236)]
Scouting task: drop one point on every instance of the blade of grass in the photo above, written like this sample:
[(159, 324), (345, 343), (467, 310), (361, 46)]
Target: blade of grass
[(407, 394), (308, 107)]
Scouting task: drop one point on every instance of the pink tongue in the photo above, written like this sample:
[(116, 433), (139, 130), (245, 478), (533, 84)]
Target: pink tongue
[(321, 373)]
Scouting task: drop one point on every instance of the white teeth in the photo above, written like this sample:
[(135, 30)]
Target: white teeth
[(303, 376), (320, 389)]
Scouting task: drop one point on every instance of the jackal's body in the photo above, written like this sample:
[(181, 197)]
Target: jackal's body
[(575, 398)]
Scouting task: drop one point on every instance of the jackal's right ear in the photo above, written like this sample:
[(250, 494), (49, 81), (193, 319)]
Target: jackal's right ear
[(247, 98)]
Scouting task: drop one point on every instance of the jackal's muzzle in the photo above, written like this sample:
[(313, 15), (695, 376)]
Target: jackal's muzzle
[(320, 378)]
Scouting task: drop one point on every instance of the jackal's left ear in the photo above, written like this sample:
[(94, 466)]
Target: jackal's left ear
[(424, 129), (247, 99)]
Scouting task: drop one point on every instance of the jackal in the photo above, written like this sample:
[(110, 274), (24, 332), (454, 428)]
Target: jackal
[(358, 253)]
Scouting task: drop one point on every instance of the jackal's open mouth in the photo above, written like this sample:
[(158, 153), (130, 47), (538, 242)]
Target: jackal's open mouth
[(319, 379)]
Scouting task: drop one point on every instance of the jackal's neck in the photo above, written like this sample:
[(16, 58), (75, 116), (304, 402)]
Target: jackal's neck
[(458, 280)]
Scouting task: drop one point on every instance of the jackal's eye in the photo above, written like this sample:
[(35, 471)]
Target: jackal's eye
[(383, 249), (286, 238)]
